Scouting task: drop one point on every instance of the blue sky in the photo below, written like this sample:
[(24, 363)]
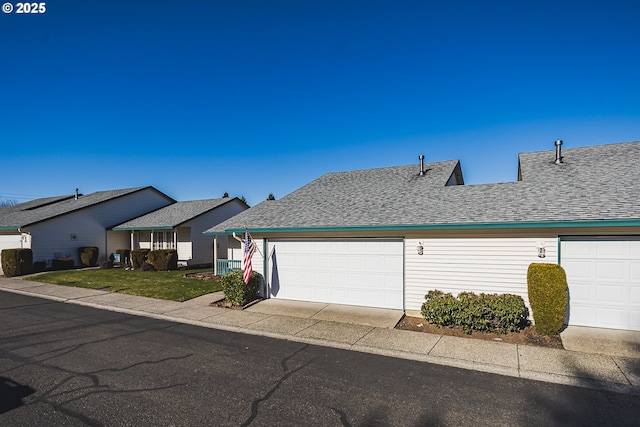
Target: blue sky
[(255, 97)]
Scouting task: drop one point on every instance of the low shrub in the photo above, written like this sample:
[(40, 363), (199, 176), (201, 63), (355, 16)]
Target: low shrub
[(484, 312), (105, 265), (16, 262), (39, 266), (548, 296), (236, 291), (139, 257), (147, 267), (163, 259), (88, 255), (62, 264)]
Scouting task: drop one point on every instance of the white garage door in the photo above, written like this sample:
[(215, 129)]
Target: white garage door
[(604, 282), (10, 241), (364, 272)]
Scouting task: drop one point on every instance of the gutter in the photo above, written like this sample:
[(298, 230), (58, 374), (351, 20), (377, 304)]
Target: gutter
[(449, 226)]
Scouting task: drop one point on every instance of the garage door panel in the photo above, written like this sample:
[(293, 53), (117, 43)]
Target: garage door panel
[(577, 269), (610, 294), (610, 270), (367, 272), (611, 250), (604, 282), (634, 320), (634, 271)]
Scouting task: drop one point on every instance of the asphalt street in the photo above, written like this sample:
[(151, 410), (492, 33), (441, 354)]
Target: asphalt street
[(64, 364)]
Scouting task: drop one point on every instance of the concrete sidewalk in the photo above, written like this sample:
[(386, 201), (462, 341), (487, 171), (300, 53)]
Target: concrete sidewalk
[(366, 330)]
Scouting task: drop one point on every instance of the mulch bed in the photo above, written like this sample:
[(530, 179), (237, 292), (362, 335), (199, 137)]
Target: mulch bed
[(226, 304), (526, 336), (204, 275)]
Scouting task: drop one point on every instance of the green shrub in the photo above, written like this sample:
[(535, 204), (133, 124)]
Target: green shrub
[(105, 265), (548, 296), (236, 291), (125, 254), (484, 312), (39, 266), (147, 267), (16, 262), (138, 257), (163, 259), (62, 264), (88, 255)]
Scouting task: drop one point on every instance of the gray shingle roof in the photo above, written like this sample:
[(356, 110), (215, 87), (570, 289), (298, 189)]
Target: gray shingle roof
[(594, 183), (173, 215), (31, 213)]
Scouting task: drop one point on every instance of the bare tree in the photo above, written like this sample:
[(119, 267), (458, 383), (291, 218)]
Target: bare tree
[(7, 202)]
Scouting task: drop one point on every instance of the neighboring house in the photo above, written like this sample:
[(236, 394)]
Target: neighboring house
[(180, 226), (384, 237), (55, 227)]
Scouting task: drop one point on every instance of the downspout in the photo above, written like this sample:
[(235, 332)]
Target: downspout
[(215, 254), (265, 269)]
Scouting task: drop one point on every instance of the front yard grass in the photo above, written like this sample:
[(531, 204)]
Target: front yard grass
[(168, 285)]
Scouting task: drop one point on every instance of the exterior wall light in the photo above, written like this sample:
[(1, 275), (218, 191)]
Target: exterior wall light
[(541, 250), (420, 248)]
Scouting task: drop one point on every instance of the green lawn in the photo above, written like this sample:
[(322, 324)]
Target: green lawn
[(169, 285)]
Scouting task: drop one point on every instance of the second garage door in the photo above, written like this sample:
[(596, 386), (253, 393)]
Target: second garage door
[(364, 272), (604, 282)]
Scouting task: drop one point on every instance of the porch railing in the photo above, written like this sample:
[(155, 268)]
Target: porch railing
[(223, 266)]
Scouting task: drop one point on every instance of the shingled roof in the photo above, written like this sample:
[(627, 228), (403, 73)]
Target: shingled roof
[(593, 185), (173, 215), (29, 213)]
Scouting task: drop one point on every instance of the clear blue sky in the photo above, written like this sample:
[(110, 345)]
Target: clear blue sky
[(250, 97)]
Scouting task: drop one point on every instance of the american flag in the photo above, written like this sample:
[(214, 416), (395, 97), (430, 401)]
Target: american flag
[(249, 249)]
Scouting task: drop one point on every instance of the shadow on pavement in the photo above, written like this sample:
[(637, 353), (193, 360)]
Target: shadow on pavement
[(11, 394)]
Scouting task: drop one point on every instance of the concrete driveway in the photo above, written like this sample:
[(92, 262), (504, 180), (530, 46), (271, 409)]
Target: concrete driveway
[(610, 342), (375, 317)]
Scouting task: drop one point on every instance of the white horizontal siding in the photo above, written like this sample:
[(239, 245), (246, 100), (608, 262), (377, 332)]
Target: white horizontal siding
[(88, 226), (184, 244), (474, 264)]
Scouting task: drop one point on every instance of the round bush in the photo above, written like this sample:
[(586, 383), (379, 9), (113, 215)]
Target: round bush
[(236, 291)]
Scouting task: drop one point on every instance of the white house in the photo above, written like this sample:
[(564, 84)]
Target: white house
[(385, 237), (55, 227), (180, 226)]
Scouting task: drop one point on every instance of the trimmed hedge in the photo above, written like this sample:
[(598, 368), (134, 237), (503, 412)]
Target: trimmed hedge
[(548, 296), (39, 266), (484, 312), (62, 264), (163, 259), (88, 255), (106, 265), (16, 262), (236, 291), (139, 257)]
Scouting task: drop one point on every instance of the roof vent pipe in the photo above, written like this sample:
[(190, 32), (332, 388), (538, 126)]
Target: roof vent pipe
[(421, 157), (76, 194), (558, 160)]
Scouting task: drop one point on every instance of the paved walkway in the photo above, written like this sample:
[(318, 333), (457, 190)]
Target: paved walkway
[(366, 330)]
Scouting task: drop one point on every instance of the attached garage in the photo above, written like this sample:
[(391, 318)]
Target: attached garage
[(362, 272), (603, 275)]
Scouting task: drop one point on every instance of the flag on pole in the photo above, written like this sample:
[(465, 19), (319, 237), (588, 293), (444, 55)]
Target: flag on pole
[(249, 249)]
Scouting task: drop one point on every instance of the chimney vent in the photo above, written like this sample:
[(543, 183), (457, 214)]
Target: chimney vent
[(421, 157), (76, 194), (558, 160)]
